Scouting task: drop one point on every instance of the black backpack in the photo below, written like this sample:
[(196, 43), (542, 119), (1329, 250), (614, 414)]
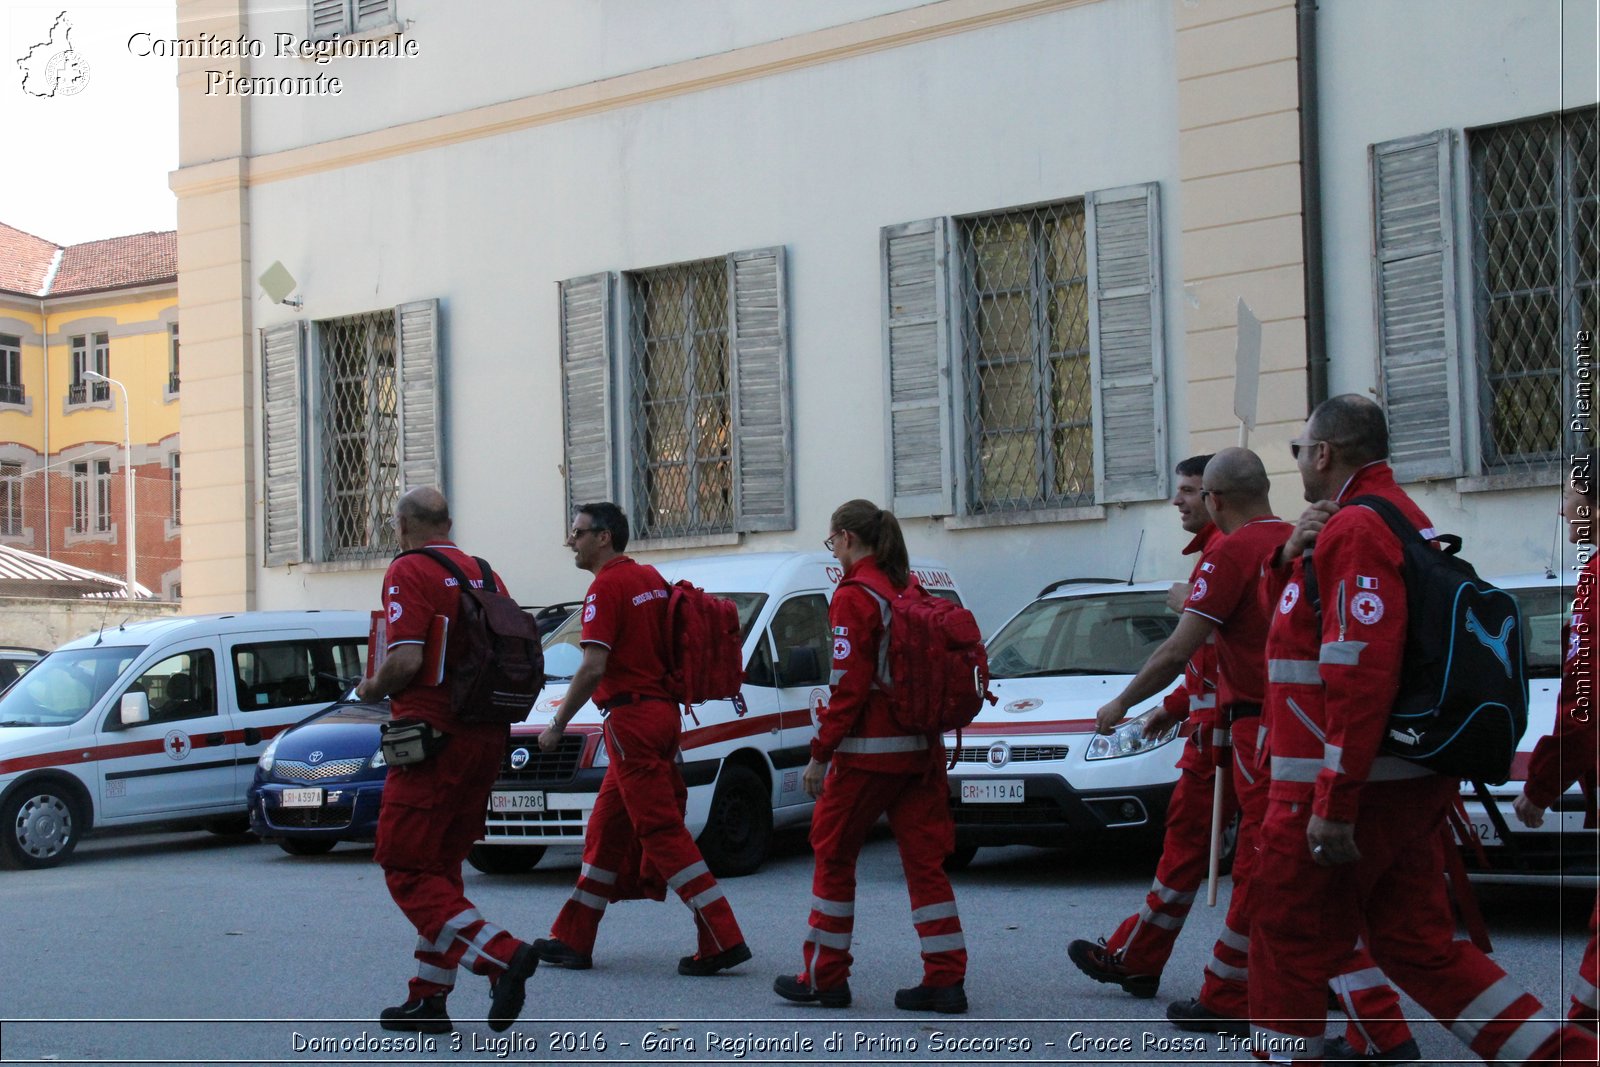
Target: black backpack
[(1463, 700), (494, 659)]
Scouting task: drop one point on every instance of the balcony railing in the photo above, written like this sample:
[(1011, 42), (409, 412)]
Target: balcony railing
[(11, 393), (88, 392), (172, 382)]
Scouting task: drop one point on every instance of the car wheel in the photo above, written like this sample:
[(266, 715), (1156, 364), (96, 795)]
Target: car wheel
[(739, 829), (505, 859), (960, 858), (306, 846), (39, 826)]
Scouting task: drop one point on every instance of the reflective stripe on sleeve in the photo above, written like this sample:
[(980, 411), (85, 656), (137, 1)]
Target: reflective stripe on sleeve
[(1295, 768), (866, 746), (1343, 653), (1202, 702), (1293, 672), (1333, 758)]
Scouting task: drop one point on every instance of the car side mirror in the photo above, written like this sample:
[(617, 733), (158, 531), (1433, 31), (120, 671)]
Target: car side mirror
[(800, 666), (135, 709)]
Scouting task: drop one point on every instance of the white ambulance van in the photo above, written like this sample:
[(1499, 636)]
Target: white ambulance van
[(160, 722), (742, 768)]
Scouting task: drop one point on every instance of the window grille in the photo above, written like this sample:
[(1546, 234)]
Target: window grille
[(11, 499), (90, 352), (360, 440), (172, 357), (1536, 249), (177, 514), (681, 426), (1025, 340), (11, 391)]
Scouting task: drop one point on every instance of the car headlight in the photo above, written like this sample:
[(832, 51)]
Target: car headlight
[(600, 757), (1128, 739), (377, 759), (267, 756)]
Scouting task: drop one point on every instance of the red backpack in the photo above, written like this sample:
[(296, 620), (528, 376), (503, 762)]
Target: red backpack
[(937, 666), (705, 647)]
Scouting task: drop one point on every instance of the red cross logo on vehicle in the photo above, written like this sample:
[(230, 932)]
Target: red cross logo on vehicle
[(177, 745)]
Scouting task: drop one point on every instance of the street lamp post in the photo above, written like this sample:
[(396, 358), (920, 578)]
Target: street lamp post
[(127, 470)]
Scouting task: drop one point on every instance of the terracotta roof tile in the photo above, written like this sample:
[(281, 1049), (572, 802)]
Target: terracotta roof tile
[(117, 263), (24, 261)]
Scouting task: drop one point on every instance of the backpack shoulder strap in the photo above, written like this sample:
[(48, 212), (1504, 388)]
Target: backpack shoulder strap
[(444, 561), (1398, 524), (487, 576)]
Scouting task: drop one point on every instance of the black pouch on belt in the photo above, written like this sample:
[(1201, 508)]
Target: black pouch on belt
[(408, 741)]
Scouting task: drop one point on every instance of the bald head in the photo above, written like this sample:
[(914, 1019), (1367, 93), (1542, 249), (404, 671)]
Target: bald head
[(422, 515), (1239, 471)]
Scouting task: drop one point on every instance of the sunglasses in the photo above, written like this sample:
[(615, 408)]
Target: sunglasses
[(1296, 446)]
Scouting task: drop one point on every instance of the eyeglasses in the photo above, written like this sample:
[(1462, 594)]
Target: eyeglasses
[(1296, 446), (578, 531), (828, 544)]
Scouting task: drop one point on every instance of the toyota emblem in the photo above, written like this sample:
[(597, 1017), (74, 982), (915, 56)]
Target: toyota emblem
[(519, 758), (999, 754), (316, 757)]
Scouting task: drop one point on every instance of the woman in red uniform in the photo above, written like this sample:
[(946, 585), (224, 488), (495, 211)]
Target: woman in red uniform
[(1572, 752), (864, 765)]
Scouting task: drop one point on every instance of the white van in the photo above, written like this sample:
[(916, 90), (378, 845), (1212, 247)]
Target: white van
[(160, 722), (742, 769)]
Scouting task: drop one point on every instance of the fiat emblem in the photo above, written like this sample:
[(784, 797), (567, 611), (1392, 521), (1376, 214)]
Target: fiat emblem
[(999, 753), (519, 758), (316, 757)]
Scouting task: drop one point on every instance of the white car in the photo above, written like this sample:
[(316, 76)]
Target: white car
[(1561, 847), (1030, 769), (742, 768)]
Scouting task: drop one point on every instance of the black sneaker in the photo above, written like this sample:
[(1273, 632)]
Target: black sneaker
[(944, 999), (560, 954), (1099, 964), (792, 988), (698, 966), (1195, 1016), (510, 989), (1339, 1048), (425, 1016)]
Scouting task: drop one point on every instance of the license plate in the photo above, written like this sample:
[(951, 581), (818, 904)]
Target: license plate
[(300, 798), (526, 801), (1004, 791)]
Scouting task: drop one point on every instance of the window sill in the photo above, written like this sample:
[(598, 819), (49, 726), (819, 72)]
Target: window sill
[(24, 538), (662, 544), (87, 405), (168, 397), (339, 566), (1537, 478), (1085, 513), (172, 529), (108, 537), (24, 408), (371, 33)]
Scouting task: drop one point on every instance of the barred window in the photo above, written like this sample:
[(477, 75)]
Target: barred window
[(1535, 251), (11, 499), (11, 391), (681, 429), (359, 435), (1029, 412), (177, 513), (90, 352)]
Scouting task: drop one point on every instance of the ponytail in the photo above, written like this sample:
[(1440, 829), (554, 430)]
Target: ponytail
[(880, 530)]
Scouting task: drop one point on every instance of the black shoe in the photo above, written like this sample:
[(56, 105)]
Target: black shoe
[(425, 1016), (1195, 1016), (1340, 1049), (560, 954), (698, 966), (510, 989), (1099, 964), (789, 987), (944, 999)]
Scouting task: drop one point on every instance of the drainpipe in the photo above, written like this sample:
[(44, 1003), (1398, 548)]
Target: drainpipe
[(44, 402), (1305, 12)]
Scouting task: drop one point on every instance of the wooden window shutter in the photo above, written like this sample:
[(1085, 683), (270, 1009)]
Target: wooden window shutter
[(421, 406), (586, 389), (916, 343), (763, 428), (283, 443), (1125, 342), (1415, 298)]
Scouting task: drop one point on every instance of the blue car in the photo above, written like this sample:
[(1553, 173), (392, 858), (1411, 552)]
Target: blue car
[(321, 781)]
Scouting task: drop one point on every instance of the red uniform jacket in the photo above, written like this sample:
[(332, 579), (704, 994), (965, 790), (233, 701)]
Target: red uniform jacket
[(1331, 686), (1572, 752), (857, 728), (1196, 695)]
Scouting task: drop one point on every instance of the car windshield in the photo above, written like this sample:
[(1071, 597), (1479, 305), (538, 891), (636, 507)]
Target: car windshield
[(1544, 612), (62, 687), (1107, 633), (562, 653)]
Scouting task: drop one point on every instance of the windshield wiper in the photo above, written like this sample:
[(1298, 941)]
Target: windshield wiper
[(1056, 672), (19, 722)]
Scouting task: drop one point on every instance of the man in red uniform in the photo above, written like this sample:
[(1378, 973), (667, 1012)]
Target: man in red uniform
[(1572, 752), (433, 811), (864, 765), (1135, 954), (639, 810), (1353, 840)]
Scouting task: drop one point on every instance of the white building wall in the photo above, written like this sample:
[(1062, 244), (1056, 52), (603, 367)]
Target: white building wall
[(1392, 69), (816, 159)]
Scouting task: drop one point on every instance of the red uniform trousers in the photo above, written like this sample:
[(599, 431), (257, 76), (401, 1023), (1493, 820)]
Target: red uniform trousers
[(1584, 1000), (431, 816), (1396, 893), (639, 810), (1146, 938), (1376, 1022), (918, 806)]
